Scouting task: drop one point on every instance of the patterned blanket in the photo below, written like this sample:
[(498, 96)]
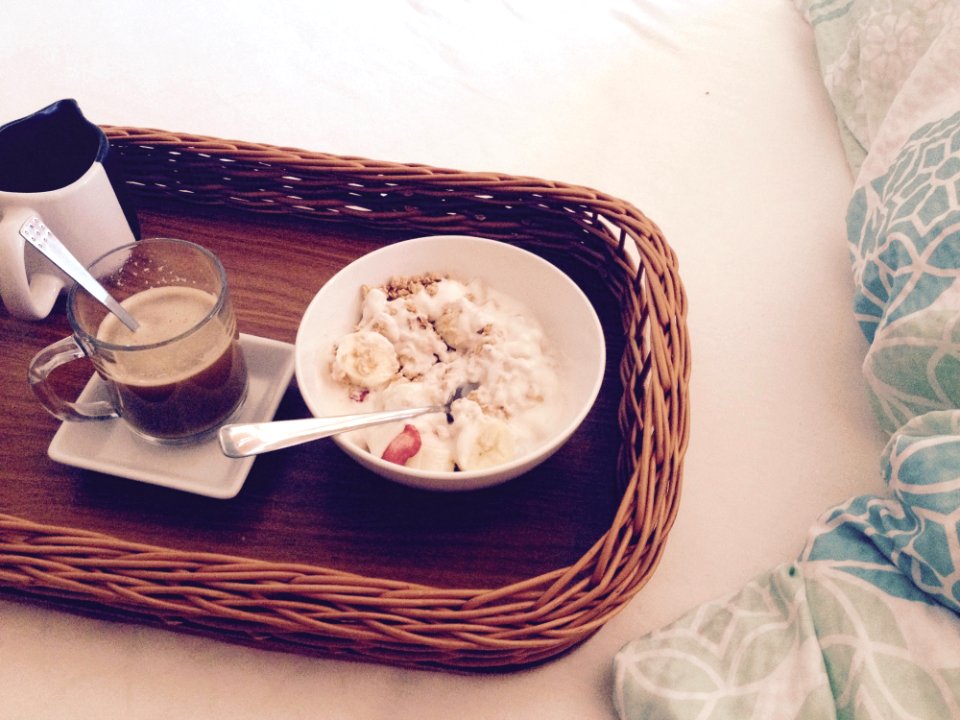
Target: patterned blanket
[(866, 622)]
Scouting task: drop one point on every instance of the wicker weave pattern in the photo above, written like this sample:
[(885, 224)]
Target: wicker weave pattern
[(314, 609)]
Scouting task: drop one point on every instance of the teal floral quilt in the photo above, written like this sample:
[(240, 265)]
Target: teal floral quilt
[(865, 623)]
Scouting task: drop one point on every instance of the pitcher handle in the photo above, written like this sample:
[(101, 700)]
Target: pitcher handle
[(28, 292)]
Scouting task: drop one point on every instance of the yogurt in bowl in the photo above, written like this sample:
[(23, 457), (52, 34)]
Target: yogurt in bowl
[(407, 324)]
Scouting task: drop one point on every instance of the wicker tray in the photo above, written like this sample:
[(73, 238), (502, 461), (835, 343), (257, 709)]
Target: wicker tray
[(310, 606)]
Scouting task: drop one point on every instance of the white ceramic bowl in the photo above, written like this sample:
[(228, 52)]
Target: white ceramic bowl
[(567, 317)]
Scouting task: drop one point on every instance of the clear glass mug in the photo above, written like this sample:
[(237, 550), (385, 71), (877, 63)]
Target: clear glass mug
[(182, 373)]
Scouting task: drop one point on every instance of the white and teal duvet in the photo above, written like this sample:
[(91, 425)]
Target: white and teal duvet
[(866, 622)]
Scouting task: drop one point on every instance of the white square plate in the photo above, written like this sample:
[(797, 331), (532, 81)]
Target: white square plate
[(111, 447)]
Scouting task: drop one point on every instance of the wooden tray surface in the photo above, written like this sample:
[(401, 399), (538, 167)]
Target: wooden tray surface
[(317, 554)]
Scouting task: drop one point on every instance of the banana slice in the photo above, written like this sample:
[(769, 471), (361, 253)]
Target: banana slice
[(451, 326), (461, 327), (403, 393), (366, 359), (485, 442)]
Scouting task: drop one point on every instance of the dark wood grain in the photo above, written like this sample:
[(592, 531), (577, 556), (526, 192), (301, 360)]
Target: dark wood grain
[(312, 503)]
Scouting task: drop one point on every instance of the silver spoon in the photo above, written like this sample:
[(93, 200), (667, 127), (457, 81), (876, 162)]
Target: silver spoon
[(42, 238), (244, 439)]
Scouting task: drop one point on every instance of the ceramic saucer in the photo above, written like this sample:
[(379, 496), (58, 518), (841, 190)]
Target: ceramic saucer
[(111, 447)]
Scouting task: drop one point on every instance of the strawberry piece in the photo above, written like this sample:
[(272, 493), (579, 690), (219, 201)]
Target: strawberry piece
[(403, 447)]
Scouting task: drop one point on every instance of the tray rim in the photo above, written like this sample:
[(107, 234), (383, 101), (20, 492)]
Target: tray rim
[(309, 608)]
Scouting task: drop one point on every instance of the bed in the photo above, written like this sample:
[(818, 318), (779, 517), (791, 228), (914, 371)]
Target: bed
[(719, 120), (864, 622)]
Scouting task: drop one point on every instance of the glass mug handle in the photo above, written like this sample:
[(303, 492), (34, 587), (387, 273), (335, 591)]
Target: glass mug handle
[(41, 367)]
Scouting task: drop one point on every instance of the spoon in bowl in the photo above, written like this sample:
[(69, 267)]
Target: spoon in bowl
[(244, 439)]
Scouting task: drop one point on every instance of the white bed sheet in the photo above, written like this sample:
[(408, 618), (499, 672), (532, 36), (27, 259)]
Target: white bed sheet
[(709, 115)]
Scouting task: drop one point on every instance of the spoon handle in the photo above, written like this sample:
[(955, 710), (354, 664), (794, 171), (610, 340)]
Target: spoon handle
[(43, 239), (244, 439)]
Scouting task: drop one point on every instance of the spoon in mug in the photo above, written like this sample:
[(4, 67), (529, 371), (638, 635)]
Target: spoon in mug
[(245, 439), (42, 238)]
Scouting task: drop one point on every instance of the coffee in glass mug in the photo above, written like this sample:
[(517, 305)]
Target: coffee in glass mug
[(182, 373)]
